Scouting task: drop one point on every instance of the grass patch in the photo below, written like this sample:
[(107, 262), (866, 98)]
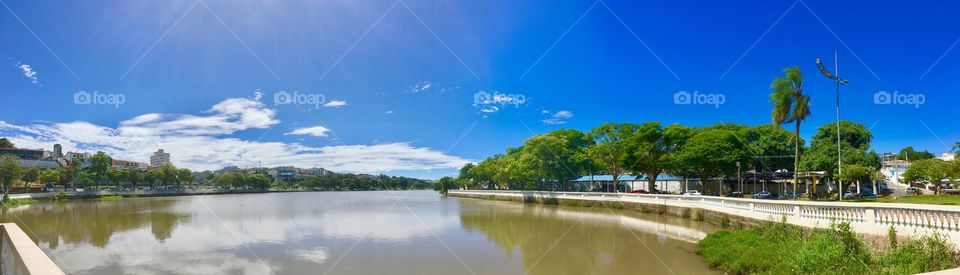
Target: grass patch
[(491, 198), (611, 205), (60, 197), (110, 198), (939, 199), (778, 248), (17, 202)]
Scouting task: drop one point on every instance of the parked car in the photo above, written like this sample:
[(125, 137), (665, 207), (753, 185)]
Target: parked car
[(762, 195), (639, 192), (735, 194), (692, 193), (664, 192)]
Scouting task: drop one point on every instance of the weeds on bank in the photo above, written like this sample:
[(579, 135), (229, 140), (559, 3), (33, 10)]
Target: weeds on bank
[(779, 248), (60, 197), (18, 202), (110, 198)]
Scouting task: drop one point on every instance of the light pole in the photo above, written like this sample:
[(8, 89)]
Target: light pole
[(739, 182), (837, 80)]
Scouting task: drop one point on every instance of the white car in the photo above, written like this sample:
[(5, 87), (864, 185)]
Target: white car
[(692, 193)]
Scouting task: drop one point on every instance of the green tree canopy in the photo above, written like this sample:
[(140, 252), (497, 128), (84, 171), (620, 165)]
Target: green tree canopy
[(713, 153)]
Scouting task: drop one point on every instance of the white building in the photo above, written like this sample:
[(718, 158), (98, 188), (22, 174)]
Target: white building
[(947, 156), (159, 158)]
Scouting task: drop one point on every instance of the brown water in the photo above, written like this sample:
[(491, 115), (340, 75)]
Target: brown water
[(409, 232)]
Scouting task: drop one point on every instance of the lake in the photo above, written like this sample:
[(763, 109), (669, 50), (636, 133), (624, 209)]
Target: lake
[(390, 232)]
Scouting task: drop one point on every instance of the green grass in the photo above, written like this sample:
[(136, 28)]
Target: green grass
[(16, 202), (778, 248), (941, 200), (111, 198)]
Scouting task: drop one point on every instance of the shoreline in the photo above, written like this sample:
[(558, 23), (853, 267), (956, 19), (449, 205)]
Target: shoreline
[(47, 196)]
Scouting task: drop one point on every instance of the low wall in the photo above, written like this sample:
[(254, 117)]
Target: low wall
[(909, 220), (19, 255)]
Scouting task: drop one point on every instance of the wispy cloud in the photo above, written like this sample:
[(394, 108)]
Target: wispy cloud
[(388, 112), (317, 131), (29, 73), (560, 117), (210, 141), (335, 103), (419, 87)]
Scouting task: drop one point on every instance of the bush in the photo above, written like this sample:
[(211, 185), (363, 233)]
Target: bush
[(779, 248), (59, 197), (16, 202), (685, 213), (698, 215), (111, 198)]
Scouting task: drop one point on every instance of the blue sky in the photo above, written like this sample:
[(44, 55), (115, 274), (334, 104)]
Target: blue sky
[(405, 74)]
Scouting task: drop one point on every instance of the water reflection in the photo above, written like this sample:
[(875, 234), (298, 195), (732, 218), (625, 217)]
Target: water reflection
[(94, 222), (353, 233), (556, 240)]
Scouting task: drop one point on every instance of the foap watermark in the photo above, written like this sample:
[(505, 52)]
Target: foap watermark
[(97, 98), (898, 98), (497, 98), (698, 98), (299, 98)]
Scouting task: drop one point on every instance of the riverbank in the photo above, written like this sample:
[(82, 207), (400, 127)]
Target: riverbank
[(779, 248), (757, 243), (94, 194)]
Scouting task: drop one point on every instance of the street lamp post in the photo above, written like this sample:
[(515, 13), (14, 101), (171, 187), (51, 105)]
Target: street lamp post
[(838, 81), (739, 182)]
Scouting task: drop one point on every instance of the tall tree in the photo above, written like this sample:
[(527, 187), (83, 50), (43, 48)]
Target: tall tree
[(790, 105), (99, 165), (612, 144), (654, 150), (713, 153), (10, 173)]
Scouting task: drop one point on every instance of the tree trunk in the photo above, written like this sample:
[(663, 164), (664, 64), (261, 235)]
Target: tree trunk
[(796, 156), (652, 180)]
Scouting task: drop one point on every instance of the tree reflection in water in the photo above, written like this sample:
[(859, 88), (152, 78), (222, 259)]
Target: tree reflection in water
[(94, 222), (583, 241)]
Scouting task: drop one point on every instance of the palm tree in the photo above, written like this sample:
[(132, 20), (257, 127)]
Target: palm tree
[(790, 105)]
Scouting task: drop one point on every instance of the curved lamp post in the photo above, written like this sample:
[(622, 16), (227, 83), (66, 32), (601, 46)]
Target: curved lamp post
[(839, 81)]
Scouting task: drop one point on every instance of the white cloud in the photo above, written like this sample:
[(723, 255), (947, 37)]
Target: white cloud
[(560, 117), (29, 73), (317, 131), (208, 142), (388, 112), (335, 103), (420, 87)]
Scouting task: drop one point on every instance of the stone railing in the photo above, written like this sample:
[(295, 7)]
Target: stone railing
[(867, 218), (21, 256)]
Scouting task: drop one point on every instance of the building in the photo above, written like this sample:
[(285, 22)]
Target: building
[(159, 158), (947, 156), (26, 154), (126, 164), (57, 151)]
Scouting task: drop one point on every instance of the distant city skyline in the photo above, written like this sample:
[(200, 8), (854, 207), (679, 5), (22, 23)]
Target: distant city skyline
[(414, 88)]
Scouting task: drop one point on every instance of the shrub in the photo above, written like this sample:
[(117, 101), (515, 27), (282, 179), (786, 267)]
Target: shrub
[(779, 248), (685, 213)]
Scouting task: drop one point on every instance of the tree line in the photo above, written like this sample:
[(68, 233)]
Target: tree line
[(334, 182)]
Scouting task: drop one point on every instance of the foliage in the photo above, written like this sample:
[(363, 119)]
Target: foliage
[(59, 197), (10, 174), (6, 144), (111, 198), (613, 144), (778, 248), (855, 140), (713, 153), (16, 202), (931, 171), (910, 154), (444, 184), (790, 105)]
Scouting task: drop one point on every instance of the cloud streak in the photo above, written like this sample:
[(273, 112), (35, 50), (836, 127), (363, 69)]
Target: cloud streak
[(560, 117), (317, 131), (209, 141), (29, 73)]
